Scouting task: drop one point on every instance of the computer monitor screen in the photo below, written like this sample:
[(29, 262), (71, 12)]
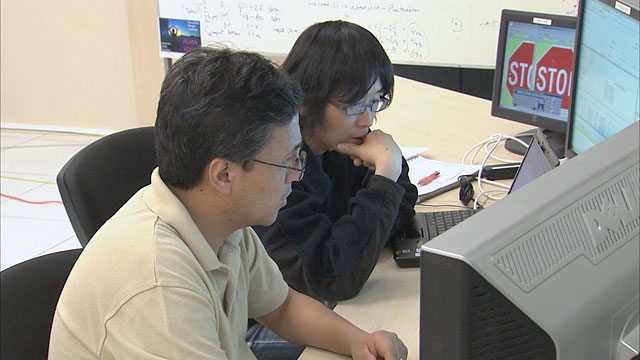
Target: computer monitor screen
[(534, 66), (549, 272), (605, 94)]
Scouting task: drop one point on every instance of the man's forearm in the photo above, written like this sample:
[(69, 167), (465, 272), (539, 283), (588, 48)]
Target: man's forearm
[(303, 320)]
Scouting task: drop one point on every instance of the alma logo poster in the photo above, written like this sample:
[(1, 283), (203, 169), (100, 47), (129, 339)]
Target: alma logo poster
[(178, 36)]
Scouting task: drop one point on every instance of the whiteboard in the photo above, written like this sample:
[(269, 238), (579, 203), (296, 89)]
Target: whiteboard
[(460, 33)]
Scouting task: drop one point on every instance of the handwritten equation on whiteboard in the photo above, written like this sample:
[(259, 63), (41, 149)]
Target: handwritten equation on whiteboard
[(273, 26), (424, 32)]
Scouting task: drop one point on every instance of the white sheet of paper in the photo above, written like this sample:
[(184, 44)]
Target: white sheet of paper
[(420, 167), (411, 151)]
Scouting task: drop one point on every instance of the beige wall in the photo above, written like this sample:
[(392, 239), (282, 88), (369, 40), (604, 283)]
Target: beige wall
[(80, 63)]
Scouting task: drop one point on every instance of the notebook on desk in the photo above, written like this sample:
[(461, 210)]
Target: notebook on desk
[(538, 159)]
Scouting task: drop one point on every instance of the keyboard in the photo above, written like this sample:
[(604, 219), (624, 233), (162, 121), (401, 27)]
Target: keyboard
[(422, 228)]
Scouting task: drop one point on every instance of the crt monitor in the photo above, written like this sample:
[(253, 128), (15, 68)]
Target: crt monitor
[(605, 89), (549, 272), (532, 80)]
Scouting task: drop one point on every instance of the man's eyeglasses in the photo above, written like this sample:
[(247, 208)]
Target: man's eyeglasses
[(357, 109), (301, 160)]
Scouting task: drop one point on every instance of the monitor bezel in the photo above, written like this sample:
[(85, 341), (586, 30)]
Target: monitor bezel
[(507, 16), (568, 149)]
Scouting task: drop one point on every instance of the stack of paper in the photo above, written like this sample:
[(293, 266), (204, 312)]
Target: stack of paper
[(419, 167)]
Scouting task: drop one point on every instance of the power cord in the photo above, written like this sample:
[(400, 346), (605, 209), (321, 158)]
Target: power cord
[(489, 146)]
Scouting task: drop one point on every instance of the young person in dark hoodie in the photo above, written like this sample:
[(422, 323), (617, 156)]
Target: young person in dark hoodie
[(356, 193)]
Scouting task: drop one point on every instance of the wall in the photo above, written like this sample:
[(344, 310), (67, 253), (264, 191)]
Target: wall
[(476, 82), (93, 65), (444, 33), (80, 63)]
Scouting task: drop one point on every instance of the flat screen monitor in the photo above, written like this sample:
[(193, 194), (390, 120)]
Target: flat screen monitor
[(605, 89), (532, 81), (549, 272)]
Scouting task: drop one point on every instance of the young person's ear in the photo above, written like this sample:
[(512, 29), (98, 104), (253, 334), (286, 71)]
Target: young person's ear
[(218, 175)]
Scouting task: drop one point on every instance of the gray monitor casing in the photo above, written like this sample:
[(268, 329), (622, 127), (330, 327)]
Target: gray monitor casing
[(563, 250)]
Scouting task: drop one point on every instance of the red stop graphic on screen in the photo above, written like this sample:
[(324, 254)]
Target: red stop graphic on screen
[(519, 66), (553, 73)]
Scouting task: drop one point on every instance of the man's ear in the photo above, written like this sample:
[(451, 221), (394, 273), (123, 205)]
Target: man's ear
[(219, 176)]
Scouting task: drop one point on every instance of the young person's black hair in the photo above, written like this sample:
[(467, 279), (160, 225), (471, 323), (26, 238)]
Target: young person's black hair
[(336, 60), (219, 103)]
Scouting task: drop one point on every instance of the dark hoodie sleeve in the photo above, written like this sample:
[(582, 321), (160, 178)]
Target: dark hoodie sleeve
[(328, 238)]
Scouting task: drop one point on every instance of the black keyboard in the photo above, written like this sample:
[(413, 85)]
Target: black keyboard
[(422, 228)]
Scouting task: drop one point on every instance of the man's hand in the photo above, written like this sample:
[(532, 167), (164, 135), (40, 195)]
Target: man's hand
[(303, 320), (380, 345), (378, 152)]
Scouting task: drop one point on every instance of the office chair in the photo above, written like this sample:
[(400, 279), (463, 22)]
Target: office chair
[(30, 292), (101, 177)]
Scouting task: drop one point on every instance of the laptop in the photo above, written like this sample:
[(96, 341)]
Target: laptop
[(538, 159)]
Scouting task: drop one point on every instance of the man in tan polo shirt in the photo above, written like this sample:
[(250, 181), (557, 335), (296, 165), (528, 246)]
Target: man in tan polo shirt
[(177, 271)]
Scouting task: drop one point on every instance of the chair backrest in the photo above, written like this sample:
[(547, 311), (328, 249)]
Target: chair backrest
[(101, 177), (29, 294)]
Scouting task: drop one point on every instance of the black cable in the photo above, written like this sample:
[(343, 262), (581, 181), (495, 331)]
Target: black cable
[(466, 189)]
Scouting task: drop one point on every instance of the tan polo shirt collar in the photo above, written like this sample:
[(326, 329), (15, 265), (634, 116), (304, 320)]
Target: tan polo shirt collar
[(170, 209)]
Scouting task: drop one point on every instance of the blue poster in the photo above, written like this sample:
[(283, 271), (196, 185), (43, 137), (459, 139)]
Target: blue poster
[(178, 36)]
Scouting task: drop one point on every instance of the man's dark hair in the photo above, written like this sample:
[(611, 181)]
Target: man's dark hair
[(219, 103), (336, 60)]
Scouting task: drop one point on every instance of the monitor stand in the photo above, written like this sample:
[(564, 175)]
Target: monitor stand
[(555, 139)]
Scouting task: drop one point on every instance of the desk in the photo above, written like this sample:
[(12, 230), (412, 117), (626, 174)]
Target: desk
[(449, 123)]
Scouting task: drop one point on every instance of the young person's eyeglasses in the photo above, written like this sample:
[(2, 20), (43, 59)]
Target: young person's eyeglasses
[(301, 161), (357, 109)]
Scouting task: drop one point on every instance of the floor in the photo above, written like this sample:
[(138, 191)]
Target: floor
[(33, 219)]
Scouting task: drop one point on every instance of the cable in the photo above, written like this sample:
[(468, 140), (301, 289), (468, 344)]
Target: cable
[(67, 131), (489, 145), (505, 138), (494, 143), (476, 203), (31, 202), (488, 141), (28, 180), (466, 189), (40, 146), (443, 205), (495, 183)]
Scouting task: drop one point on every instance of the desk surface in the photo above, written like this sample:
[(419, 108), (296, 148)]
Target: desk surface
[(449, 123)]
